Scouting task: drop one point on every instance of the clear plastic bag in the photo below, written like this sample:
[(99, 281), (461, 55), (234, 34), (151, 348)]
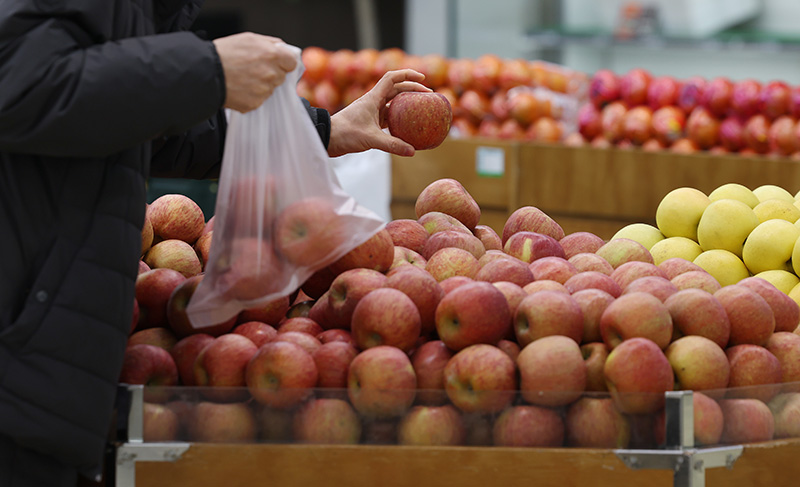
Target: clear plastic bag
[(280, 214)]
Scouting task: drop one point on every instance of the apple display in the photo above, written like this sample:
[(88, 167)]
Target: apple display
[(603, 87), (174, 254), (376, 253), (223, 423), (327, 421), (281, 375), (746, 421), (593, 302), (699, 364), (751, 317), (386, 316), (633, 86), (668, 124), (589, 261), (691, 93), (431, 426), (716, 96), (531, 219), (176, 216), (452, 261), (594, 422), (528, 426), (755, 372), (699, 313), (580, 242), (593, 280)]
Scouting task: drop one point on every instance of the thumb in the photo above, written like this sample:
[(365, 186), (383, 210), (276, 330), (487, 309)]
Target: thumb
[(393, 145)]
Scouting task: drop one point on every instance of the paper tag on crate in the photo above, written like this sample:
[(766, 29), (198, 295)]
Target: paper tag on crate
[(490, 161)]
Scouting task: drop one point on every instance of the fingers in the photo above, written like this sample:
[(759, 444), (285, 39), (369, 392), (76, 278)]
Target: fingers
[(393, 145), (285, 56)]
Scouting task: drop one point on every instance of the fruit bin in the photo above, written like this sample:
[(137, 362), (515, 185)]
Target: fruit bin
[(598, 190), (378, 460)]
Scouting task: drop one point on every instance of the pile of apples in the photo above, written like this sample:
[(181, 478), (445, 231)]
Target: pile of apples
[(637, 109), (442, 331), (490, 96)]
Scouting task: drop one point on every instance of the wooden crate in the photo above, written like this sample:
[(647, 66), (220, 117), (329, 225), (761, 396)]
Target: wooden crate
[(771, 463)]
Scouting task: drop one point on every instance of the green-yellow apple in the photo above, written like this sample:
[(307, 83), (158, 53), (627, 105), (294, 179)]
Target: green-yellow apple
[(786, 412), (699, 364), (551, 371), (751, 317), (547, 313), (644, 233), (672, 247), (786, 310), (735, 191), (777, 209), (770, 246), (481, 379), (725, 266), (771, 191), (529, 426), (698, 312), (637, 314), (431, 426), (637, 375), (746, 421), (594, 422), (381, 382), (449, 196), (679, 212), (755, 372), (785, 281), (622, 250), (725, 224), (592, 302), (696, 280)]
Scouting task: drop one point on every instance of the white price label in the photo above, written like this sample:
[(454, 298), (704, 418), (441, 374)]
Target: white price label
[(490, 161)]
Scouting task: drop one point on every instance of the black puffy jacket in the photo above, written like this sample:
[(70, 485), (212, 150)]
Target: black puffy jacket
[(92, 92)]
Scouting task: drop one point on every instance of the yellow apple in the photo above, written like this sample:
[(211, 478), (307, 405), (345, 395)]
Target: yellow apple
[(670, 247), (777, 209), (725, 224), (735, 191), (771, 191), (679, 212), (770, 246), (783, 280), (643, 233), (796, 257), (726, 267)]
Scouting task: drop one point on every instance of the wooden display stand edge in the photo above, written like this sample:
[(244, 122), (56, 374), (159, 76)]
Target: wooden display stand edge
[(771, 463), (582, 188)]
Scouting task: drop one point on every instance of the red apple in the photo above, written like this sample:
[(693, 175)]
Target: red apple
[(677, 265), (473, 105), (637, 125), (547, 313), (151, 366), (663, 91), (424, 291), (785, 309), (580, 242), (552, 371), (308, 232), (595, 355), (474, 313), (454, 282), (381, 382), (593, 302), (489, 237), (668, 124), (315, 61), (153, 290), (347, 289), (307, 341), (272, 312), (421, 119), (751, 317), (699, 364), (783, 136), (376, 253), (731, 134), (177, 317), (336, 335), (592, 280), (452, 261), (775, 99), (746, 421), (222, 423), (785, 410), (620, 250), (158, 336), (755, 372), (327, 421), (756, 133), (429, 361), (480, 378), (637, 375), (450, 197), (529, 246), (691, 93), (604, 88), (637, 314), (633, 86), (702, 128), (658, 286), (386, 316), (594, 422), (509, 270), (281, 375), (159, 423), (785, 346), (407, 233), (529, 426), (302, 324), (221, 365), (247, 270), (745, 98), (257, 331), (630, 271), (531, 219), (514, 72), (333, 363), (185, 352), (176, 216), (698, 312), (174, 254), (431, 426), (453, 238), (717, 95), (696, 280)]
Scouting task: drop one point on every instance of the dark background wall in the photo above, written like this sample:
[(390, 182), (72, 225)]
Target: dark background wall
[(330, 24)]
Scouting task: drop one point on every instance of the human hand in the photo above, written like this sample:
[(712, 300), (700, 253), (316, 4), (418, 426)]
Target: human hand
[(254, 65), (359, 126)]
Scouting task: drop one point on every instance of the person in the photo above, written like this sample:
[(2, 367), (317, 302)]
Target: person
[(95, 96)]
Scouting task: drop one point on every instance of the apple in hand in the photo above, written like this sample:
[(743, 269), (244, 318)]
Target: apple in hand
[(281, 375), (552, 371), (474, 313), (421, 119), (327, 421), (381, 382), (480, 378), (448, 196), (432, 426)]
